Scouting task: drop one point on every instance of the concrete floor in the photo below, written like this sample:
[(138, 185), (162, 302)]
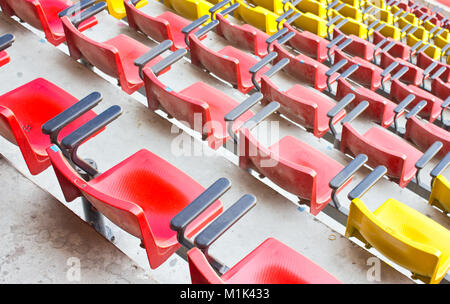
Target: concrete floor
[(319, 238)]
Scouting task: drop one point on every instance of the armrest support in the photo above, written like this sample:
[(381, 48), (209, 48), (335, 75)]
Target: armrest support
[(56, 124), (152, 54), (168, 61), (358, 110), (337, 109), (368, 182), (401, 107), (426, 157), (417, 108), (344, 175), (207, 28), (261, 115), (259, 65), (239, 111), (192, 26), (218, 6), (441, 166), (180, 222), (88, 13), (333, 70), (71, 142), (224, 222), (6, 41), (77, 7)]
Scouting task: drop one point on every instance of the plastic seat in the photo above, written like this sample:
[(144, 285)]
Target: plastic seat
[(382, 148), (299, 104), (114, 57), (165, 26), (116, 8), (190, 9), (201, 106), (272, 262), (259, 17), (5, 42), (414, 75), (405, 236), (423, 61), (22, 127), (368, 74), (134, 196), (229, 64), (440, 89), (380, 109), (43, 15), (304, 68), (358, 47), (398, 50), (245, 36), (309, 44), (440, 194), (399, 91), (297, 168), (425, 134)]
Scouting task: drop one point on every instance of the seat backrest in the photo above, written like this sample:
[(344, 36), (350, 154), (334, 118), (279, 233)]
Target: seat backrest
[(355, 143), (424, 135), (221, 65), (305, 71), (308, 43), (294, 178), (440, 194), (191, 9), (312, 23), (182, 107), (423, 61), (238, 35), (300, 109), (364, 225), (101, 55), (153, 27), (259, 17), (200, 269), (27, 10)]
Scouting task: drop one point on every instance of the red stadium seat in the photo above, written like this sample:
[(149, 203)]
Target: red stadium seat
[(425, 134), (114, 57), (398, 50), (22, 127), (432, 110), (165, 26), (291, 164), (244, 36), (413, 76), (380, 109), (43, 15), (5, 42), (385, 148), (229, 64), (198, 101), (424, 61), (300, 104), (438, 87), (272, 262), (134, 193)]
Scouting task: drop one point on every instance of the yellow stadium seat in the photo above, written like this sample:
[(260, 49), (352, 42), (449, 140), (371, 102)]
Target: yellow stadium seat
[(191, 9), (440, 194), (442, 39), (314, 7), (275, 6), (116, 8), (432, 51), (351, 12), (403, 235), (353, 27), (385, 16), (312, 23), (381, 4), (354, 3), (391, 31), (259, 17)]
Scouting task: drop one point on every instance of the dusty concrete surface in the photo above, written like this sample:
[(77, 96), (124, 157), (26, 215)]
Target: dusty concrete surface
[(44, 242), (141, 128)]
